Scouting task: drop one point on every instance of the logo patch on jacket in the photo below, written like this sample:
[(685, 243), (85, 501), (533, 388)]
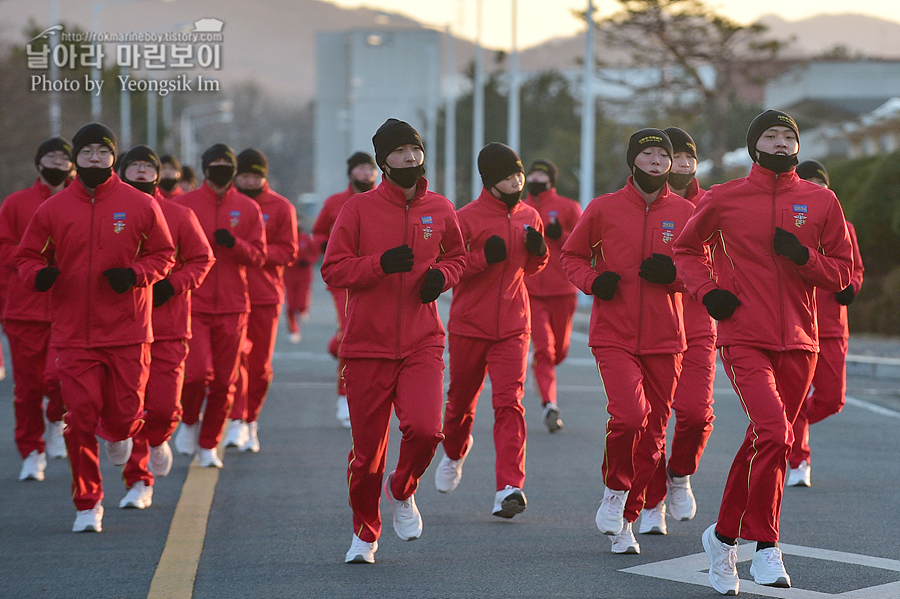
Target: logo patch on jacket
[(118, 221), (235, 216), (265, 218), (427, 232), (427, 220), (800, 211), (668, 231)]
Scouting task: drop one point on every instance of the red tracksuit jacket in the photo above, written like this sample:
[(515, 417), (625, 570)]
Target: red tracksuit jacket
[(831, 316), (225, 289), (737, 220), (331, 207), (119, 227), (697, 321), (491, 301), (552, 281), (617, 232), (266, 284), (385, 315)]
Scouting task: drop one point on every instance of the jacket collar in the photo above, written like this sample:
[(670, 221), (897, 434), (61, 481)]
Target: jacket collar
[(495, 204), (543, 196), (212, 195), (769, 180), (397, 195), (634, 196), (103, 190)]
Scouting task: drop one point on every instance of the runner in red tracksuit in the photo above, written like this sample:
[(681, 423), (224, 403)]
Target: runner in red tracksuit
[(361, 170), (298, 283), (266, 286), (553, 298), (151, 455), (693, 401), (395, 249), (773, 238), (26, 319), (829, 384), (234, 227), (100, 244), (169, 176), (636, 332), (490, 322)]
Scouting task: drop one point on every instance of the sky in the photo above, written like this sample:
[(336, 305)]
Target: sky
[(540, 20)]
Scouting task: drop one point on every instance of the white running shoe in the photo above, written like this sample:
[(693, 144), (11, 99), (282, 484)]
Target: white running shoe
[(237, 434), (767, 568), (509, 501), (449, 472), (252, 443), (160, 459), (682, 505), (208, 458), (53, 437), (343, 411), (295, 339), (187, 437), (610, 517), (722, 563), (33, 466), (89, 520), (407, 519), (139, 496), (551, 417), (799, 476), (624, 542), (653, 521), (361, 552), (118, 452)]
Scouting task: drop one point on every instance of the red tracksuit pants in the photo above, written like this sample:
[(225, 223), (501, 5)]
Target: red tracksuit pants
[(262, 330), (334, 346), (414, 388), (771, 387), (34, 372), (693, 407), (551, 331), (505, 361), (162, 407), (298, 294), (212, 362), (639, 391), (103, 391), (829, 388)]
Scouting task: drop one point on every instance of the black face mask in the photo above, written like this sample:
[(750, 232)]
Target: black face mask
[(363, 185), (647, 182), (510, 199), (220, 175), (167, 184), (680, 180), (53, 176), (145, 186), (537, 188), (777, 163), (250, 192), (407, 177), (93, 176)]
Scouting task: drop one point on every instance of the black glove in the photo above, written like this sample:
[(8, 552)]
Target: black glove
[(721, 303), (432, 286), (495, 249), (787, 245), (658, 268), (224, 238), (534, 242), (45, 278), (553, 230), (324, 245), (604, 286), (120, 279), (398, 259), (845, 297), (162, 292)]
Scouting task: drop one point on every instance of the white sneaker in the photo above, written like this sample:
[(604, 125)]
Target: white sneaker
[(449, 472), (682, 504), (509, 501), (186, 438), (33, 466), (551, 417), (237, 434), (799, 476), (2, 373), (361, 552), (160, 459), (624, 542), (208, 458), (343, 411), (295, 339), (118, 452), (610, 517), (653, 521), (407, 519), (139, 496), (767, 568), (252, 443), (89, 520), (53, 437), (722, 563)]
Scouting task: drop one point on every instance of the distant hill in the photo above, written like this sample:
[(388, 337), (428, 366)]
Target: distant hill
[(859, 34)]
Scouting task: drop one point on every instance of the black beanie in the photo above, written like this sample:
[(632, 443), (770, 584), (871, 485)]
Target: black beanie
[(813, 168), (136, 153), (215, 152), (357, 159), (769, 118), (496, 162), (545, 166), (390, 136), (647, 138), (681, 141), (170, 159), (54, 144), (94, 133), (253, 161)]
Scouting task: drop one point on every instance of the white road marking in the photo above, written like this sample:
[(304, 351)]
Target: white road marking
[(859, 403)]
